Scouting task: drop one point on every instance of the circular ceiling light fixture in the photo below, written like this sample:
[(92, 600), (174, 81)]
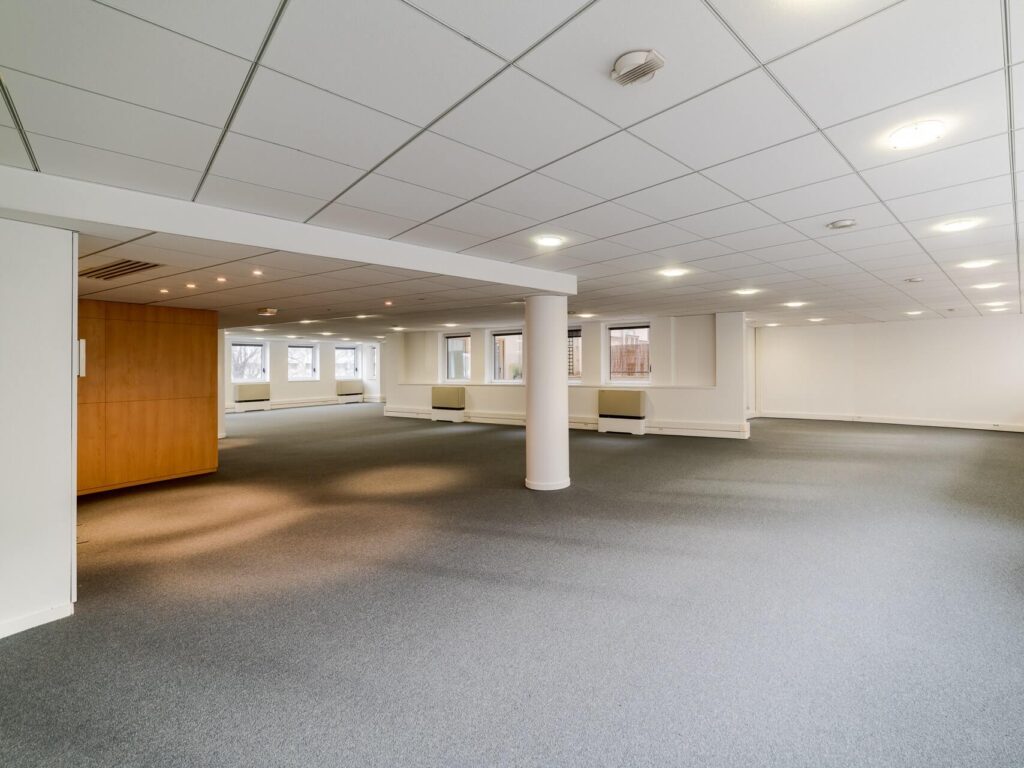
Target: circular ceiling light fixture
[(266, 311), (451, 325), (771, 325), (914, 312), (746, 291), (673, 272), (326, 333), (190, 285), (842, 224), (958, 225), (164, 290), (222, 279), (996, 303), (257, 272), (999, 309), (815, 319), (548, 241), (977, 264), (795, 304), (586, 315), (397, 328), (636, 67), (914, 280), (915, 135), (988, 286), (388, 303)]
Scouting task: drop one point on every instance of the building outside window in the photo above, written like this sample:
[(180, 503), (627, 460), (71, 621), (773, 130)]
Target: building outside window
[(248, 362), (508, 356), (575, 353), (456, 355), (302, 363), (346, 363), (629, 351)]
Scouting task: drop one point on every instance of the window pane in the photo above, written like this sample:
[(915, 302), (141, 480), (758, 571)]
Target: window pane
[(374, 352), (457, 355), (575, 353), (630, 353), (247, 362), (346, 363), (508, 357), (300, 363)]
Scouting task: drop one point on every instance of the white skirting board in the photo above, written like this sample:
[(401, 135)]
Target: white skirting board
[(628, 426), (740, 431), (271, 405), (445, 414), (45, 616), (910, 422)]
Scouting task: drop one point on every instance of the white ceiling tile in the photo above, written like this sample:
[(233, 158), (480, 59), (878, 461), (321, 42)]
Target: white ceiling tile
[(680, 197), (866, 216), (361, 221), (236, 26), (77, 161), (439, 237), (419, 68), (1016, 8), (794, 164), (476, 219), (717, 126), (88, 244), (506, 28), (598, 251), (539, 197), (722, 221), (904, 249), (970, 111), (492, 119), (195, 81), (975, 241), (12, 151), (726, 261), (439, 163), (894, 233), (789, 250), (958, 165), (702, 249), (808, 262), (577, 60), (952, 200), (914, 47), (771, 27), (501, 250), (105, 123), (616, 165), (763, 237), (284, 111), (398, 198), (604, 220), (526, 238), (274, 165), (833, 195), (655, 237), (228, 193), (997, 216), (200, 246)]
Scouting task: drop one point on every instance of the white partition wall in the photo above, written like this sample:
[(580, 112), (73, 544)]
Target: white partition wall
[(37, 447)]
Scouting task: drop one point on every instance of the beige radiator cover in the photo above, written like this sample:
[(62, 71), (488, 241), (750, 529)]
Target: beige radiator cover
[(621, 403), (350, 386), (450, 398), (248, 393)]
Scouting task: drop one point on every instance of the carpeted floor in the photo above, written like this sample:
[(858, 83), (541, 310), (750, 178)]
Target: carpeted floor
[(352, 590)]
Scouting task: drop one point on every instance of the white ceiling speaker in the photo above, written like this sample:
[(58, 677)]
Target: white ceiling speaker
[(636, 67)]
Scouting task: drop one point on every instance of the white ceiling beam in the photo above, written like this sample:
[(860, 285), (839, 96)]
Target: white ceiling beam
[(40, 194)]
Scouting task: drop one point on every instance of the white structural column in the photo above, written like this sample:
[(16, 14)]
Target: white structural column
[(547, 393)]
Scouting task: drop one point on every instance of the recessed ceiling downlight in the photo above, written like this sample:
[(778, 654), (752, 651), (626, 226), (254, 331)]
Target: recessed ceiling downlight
[(266, 311), (958, 225), (585, 315), (977, 264), (1000, 309), (917, 134), (795, 304), (914, 312), (548, 241), (636, 67), (842, 224), (996, 303), (672, 272), (988, 286), (815, 319), (771, 325), (746, 291)]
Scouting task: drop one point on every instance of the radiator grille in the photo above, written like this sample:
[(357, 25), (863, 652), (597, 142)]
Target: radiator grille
[(116, 269)]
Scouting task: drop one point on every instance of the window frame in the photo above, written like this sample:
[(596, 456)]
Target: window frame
[(574, 333), (315, 361), (355, 350), (264, 362), (374, 363), (646, 377), (495, 335), (468, 353)]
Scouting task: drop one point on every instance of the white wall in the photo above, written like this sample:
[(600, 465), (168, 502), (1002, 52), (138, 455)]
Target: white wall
[(321, 391), (962, 373), (709, 350), (37, 445)]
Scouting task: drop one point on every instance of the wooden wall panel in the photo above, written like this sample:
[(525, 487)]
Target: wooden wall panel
[(147, 405)]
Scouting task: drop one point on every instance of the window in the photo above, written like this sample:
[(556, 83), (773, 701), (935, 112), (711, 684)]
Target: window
[(374, 361), (248, 362), (346, 363), (302, 363), (629, 351), (575, 353), (456, 355), (508, 356)]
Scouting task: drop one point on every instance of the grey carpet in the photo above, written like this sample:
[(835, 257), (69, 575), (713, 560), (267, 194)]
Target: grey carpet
[(352, 590)]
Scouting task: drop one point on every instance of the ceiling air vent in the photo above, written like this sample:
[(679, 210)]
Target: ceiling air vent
[(636, 67), (116, 269)]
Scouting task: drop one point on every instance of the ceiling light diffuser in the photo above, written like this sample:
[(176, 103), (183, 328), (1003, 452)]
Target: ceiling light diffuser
[(672, 272), (326, 333), (1000, 309), (958, 225), (914, 312), (163, 290), (996, 303), (795, 304), (258, 330), (917, 134), (450, 325), (190, 285), (842, 224), (388, 303), (988, 286), (257, 272), (586, 315), (397, 328), (222, 279), (815, 319), (746, 291), (548, 241), (361, 317), (771, 325), (978, 264)]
